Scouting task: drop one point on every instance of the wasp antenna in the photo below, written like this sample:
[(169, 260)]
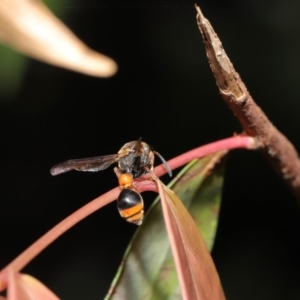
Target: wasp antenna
[(138, 145), (165, 163)]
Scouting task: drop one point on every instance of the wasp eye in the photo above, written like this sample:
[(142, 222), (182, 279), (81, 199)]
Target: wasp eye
[(131, 206)]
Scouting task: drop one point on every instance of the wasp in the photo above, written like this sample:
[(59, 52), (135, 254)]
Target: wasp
[(134, 159)]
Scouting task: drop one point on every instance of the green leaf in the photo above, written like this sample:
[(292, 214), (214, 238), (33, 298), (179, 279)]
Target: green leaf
[(149, 271)]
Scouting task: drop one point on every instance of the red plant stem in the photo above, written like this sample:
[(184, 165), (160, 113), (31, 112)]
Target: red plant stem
[(26, 256), (32, 251), (226, 144)]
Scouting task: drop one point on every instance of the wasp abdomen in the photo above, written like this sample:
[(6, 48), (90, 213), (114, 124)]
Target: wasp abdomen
[(131, 206)]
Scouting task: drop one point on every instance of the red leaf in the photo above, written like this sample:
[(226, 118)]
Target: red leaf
[(196, 271), (26, 287)]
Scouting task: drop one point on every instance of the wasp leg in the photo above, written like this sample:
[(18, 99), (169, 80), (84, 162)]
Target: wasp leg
[(117, 172), (151, 173), (151, 156)]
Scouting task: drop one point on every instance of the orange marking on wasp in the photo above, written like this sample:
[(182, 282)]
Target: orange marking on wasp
[(125, 213), (125, 180), (136, 219)]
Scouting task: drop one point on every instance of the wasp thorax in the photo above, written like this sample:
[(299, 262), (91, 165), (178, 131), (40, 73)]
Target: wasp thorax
[(135, 157)]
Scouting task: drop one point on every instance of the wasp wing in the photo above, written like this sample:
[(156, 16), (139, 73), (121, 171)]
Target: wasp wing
[(91, 164)]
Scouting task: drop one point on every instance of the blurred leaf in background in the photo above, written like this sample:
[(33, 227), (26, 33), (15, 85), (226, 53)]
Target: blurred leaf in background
[(13, 65), (31, 28)]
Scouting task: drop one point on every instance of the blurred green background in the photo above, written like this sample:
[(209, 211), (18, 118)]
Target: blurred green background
[(165, 92)]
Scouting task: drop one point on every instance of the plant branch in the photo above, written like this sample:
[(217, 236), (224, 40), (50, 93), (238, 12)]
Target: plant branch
[(278, 149)]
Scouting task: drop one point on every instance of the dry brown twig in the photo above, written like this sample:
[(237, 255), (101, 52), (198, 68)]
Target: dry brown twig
[(278, 149)]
